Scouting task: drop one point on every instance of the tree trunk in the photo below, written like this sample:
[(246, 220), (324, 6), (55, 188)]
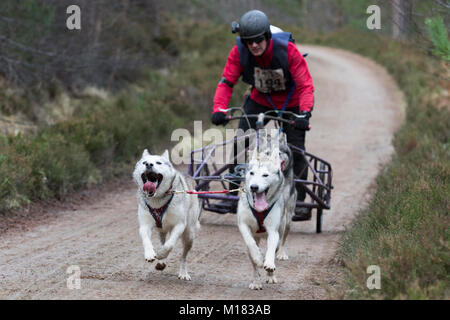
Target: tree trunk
[(401, 18)]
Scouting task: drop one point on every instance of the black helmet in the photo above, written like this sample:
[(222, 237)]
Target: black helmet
[(253, 24)]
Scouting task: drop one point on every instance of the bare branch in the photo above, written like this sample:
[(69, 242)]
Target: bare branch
[(25, 48)]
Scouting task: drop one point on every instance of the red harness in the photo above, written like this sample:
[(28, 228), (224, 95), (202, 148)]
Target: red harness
[(158, 213), (260, 216)]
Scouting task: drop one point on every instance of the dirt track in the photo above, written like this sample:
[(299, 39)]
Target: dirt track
[(358, 108)]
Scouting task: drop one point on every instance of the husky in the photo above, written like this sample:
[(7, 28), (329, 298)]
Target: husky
[(173, 215), (264, 208)]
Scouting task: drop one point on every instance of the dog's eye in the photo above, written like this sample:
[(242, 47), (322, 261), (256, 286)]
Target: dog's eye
[(252, 173), (265, 175), (157, 162)]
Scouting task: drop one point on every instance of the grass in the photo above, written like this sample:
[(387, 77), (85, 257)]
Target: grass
[(405, 228)]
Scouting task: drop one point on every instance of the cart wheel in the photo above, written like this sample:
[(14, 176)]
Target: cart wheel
[(320, 194)]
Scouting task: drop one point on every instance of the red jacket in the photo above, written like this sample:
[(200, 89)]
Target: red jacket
[(303, 95)]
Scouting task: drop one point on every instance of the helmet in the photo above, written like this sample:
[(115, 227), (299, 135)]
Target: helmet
[(253, 24)]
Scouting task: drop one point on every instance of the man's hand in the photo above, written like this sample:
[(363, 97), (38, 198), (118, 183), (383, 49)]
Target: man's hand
[(219, 118), (302, 122)]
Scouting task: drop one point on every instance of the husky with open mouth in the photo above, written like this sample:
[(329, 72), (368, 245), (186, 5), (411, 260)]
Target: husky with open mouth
[(172, 214), (261, 211)]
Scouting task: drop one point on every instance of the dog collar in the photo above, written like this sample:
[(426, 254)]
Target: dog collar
[(158, 213), (260, 216)]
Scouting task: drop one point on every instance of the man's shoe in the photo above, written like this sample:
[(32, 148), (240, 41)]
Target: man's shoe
[(302, 214)]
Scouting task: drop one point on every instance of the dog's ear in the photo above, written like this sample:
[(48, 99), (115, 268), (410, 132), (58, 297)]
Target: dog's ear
[(145, 153), (165, 155)]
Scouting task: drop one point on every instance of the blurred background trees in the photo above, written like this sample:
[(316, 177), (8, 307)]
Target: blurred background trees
[(121, 38)]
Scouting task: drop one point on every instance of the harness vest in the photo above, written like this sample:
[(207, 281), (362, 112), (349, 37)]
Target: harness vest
[(260, 216), (276, 77), (158, 213)]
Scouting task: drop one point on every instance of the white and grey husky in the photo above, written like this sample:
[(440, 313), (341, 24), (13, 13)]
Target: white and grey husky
[(173, 214), (266, 207)]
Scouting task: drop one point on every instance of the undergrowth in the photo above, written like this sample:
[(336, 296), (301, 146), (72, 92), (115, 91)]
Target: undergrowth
[(405, 228)]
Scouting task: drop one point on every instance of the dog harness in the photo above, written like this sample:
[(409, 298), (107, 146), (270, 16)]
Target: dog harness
[(260, 216), (158, 213)]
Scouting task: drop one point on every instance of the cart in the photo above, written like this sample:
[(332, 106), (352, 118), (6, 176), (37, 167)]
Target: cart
[(209, 176)]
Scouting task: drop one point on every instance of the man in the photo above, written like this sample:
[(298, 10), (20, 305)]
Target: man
[(278, 74)]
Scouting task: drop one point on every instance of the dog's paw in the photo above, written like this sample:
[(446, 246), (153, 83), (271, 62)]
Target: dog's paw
[(269, 267), (150, 257), (184, 276), (160, 266), (255, 285), (272, 280), (282, 256)]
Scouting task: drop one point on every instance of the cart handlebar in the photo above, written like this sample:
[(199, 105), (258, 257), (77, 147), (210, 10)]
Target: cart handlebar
[(262, 116)]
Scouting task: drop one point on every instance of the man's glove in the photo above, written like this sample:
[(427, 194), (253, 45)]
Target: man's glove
[(219, 118), (302, 122)]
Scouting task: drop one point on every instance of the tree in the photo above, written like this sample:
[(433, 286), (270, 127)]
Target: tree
[(401, 18)]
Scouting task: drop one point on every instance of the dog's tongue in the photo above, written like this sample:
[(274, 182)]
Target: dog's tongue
[(149, 187), (260, 201)]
